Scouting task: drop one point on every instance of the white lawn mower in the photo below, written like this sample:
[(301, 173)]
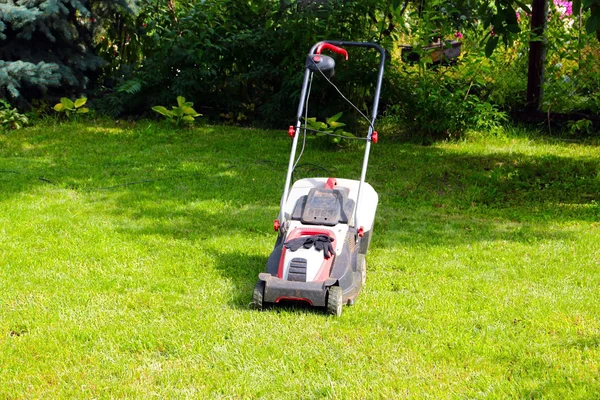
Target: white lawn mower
[(325, 225)]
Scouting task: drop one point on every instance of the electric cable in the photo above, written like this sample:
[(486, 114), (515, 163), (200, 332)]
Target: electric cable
[(342, 94), (274, 164), (40, 178), (315, 167), (306, 128), (336, 134), (305, 117), (128, 184)]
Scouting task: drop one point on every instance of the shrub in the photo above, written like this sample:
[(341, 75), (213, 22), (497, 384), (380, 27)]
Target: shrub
[(438, 103), (11, 118), (49, 46), (247, 58), (70, 108), (182, 113), (332, 128)]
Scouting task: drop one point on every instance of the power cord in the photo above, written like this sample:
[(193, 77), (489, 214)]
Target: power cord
[(342, 94), (274, 165)]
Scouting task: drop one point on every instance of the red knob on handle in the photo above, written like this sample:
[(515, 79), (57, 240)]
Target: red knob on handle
[(335, 49), (374, 137)]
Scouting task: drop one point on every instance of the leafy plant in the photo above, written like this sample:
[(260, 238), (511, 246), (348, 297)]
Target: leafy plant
[(11, 118), (487, 116), (182, 113), (69, 107), (580, 127), (131, 86), (329, 128)]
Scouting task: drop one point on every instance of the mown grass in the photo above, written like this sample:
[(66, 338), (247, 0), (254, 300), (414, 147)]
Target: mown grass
[(128, 254)]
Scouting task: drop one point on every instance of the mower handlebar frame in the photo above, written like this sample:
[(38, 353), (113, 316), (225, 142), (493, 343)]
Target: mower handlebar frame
[(335, 46), (331, 47)]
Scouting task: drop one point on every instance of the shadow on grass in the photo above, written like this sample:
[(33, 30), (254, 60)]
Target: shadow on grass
[(586, 342), (449, 177), (430, 228), (242, 270), (448, 197), (228, 160), (216, 182)]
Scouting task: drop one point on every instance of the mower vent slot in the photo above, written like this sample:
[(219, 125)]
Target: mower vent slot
[(297, 271)]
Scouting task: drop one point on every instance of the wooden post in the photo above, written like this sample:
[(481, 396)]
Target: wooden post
[(537, 54)]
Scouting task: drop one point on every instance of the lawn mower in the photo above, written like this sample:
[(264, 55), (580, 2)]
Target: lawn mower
[(324, 225)]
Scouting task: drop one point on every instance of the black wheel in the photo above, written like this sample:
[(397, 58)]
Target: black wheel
[(335, 301), (257, 295), (363, 269)]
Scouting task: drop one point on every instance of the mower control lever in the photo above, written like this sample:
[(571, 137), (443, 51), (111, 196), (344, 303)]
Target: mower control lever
[(335, 49)]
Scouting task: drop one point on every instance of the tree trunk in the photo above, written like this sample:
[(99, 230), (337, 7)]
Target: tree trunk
[(537, 54)]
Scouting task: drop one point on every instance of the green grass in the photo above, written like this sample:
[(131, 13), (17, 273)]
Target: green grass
[(128, 255)]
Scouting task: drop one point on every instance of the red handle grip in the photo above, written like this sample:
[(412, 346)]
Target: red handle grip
[(329, 46)]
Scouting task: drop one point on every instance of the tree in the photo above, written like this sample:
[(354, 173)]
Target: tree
[(50, 45)]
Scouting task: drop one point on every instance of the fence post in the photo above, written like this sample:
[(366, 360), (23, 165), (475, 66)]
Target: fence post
[(537, 54)]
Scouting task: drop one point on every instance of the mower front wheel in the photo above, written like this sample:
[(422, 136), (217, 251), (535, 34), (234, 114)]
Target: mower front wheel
[(258, 295), (335, 301)]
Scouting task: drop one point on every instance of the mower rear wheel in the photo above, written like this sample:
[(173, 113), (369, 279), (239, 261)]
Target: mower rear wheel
[(335, 301), (257, 296), (363, 269)]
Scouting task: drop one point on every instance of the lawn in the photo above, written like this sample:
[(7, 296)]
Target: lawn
[(128, 255)]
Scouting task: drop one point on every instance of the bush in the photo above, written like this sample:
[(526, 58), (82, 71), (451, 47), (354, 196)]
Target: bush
[(437, 103), (246, 59), (11, 118), (48, 47), (243, 62)]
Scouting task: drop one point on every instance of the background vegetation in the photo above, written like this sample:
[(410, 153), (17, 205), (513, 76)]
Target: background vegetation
[(242, 62)]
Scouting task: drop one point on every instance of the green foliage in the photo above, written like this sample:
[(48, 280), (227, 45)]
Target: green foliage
[(245, 58), (572, 71), (243, 61), (332, 126), (183, 112), (131, 86), (11, 118), (14, 74), (48, 47), (71, 108), (200, 50), (442, 102), (487, 117), (582, 126)]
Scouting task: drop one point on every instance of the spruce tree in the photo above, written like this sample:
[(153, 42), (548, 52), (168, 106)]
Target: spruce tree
[(49, 45)]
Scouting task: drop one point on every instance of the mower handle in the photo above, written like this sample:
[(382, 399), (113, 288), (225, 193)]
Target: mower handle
[(329, 46), (372, 136)]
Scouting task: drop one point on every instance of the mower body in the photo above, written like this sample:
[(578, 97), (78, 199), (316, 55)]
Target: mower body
[(321, 206)]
